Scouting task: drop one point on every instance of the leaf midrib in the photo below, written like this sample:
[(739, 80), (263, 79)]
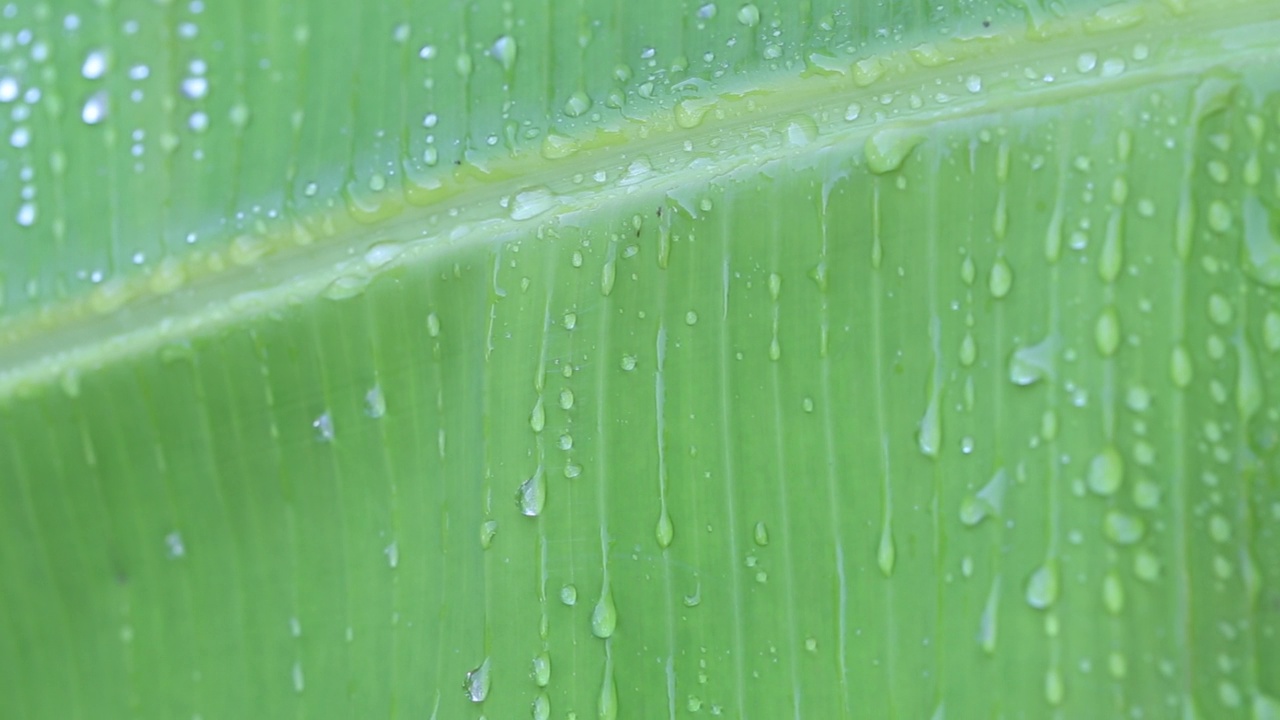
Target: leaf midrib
[(748, 129)]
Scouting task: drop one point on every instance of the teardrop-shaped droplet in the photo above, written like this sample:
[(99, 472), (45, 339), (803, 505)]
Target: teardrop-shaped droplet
[(604, 618)]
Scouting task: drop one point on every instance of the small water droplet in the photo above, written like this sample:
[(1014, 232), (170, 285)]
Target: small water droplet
[(989, 500), (989, 623), (569, 595), (577, 104), (95, 108), (749, 15), (174, 546)]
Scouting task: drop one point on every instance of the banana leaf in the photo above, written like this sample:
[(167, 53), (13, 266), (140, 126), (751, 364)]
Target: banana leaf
[(476, 359)]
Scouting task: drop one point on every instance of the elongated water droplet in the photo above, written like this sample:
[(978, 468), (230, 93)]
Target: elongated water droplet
[(1113, 593), (542, 669), (478, 681), (488, 529), (538, 417), (761, 534), (1180, 367), (1112, 256), (886, 554), (607, 704), (1000, 281), (607, 275), (504, 51), (541, 707), (1106, 332), (665, 532), (604, 618), (1042, 586), (989, 623), (988, 501), (1029, 365), (375, 403), (1260, 251), (532, 495), (1249, 390)]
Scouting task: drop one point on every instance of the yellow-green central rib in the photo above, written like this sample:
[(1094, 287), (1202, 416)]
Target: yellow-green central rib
[(878, 106)]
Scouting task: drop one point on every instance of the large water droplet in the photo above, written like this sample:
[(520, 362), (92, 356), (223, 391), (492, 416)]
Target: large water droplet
[(988, 501), (1106, 471), (542, 669), (886, 149), (749, 15), (1000, 281), (665, 531), (1029, 365), (478, 681), (1042, 586), (604, 618), (532, 495), (504, 51)]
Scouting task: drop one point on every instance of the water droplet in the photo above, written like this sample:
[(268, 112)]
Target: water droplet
[(569, 595), (1260, 251), (968, 350), (95, 65), (577, 104), (324, 427), (1219, 528), (691, 318), (1086, 62), (1106, 332), (478, 681), (989, 623), (761, 534), (504, 51), (664, 532), (1180, 367), (532, 495), (607, 704), (749, 15), (299, 680), (886, 149), (375, 404), (174, 546), (1271, 331), (607, 275), (531, 203), (1122, 528), (989, 500), (541, 707), (1106, 472), (628, 363), (488, 529), (1029, 365), (1000, 281), (542, 669), (1042, 586), (604, 618), (95, 108), (1053, 687), (886, 554)]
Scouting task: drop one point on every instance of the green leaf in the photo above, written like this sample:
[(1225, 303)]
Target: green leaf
[(596, 360)]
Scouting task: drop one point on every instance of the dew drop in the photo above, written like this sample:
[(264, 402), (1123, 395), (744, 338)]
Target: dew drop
[(577, 104), (1122, 528), (1180, 367), (488, 529), (324, 427), (95, 108), (1029, 365), (749, 15), (569, 595)]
